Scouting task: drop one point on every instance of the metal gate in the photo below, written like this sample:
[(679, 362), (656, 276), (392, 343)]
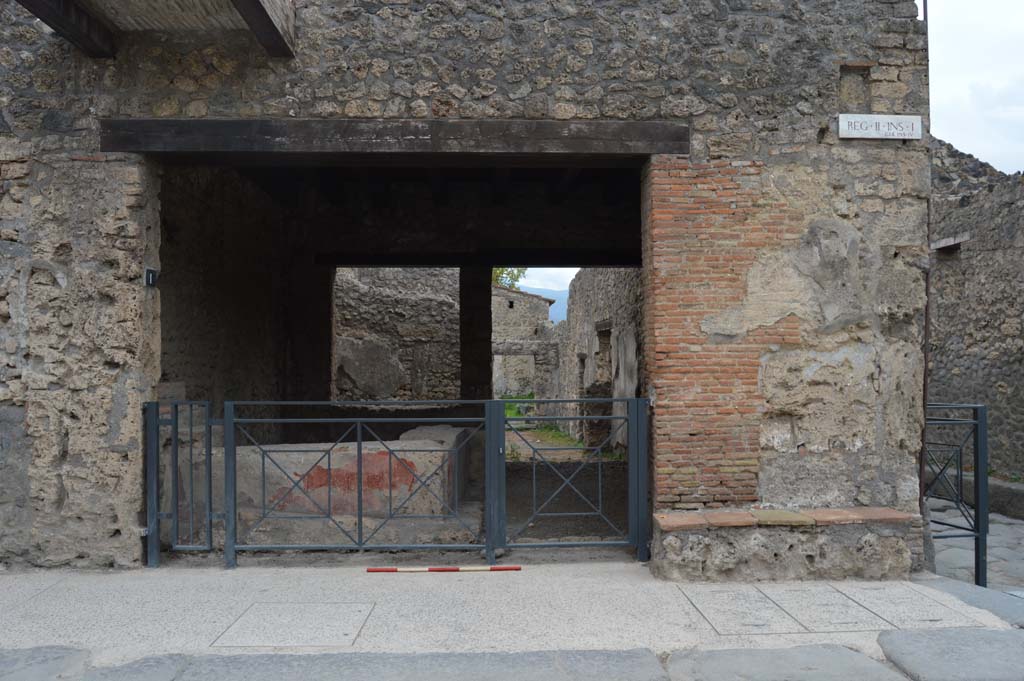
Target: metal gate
[(955, 449), (487, 475)]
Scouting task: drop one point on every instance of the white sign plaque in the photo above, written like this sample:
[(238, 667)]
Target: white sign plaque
[(879, 127)]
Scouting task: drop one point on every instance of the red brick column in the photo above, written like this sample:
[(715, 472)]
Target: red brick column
[(704, 225)]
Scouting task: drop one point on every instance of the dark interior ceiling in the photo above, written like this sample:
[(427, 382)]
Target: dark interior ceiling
[(458, 216)]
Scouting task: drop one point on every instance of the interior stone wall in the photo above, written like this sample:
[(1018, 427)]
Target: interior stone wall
[(221, 287), (523, 344), (975, 344), (600, 344), (396, 333)]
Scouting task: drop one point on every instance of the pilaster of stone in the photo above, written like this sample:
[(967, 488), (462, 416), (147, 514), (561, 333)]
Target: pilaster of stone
[(79, 231)]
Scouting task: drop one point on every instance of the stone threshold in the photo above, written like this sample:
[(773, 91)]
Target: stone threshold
[(676, 521)]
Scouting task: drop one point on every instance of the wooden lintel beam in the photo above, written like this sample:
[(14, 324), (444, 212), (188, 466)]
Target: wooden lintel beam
[(272, 22), (70, 21), (549, 257), (395, 136)]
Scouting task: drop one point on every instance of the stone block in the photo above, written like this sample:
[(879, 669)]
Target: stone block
[(770, 517), (956, 654), (777, 553), (730, 518), (878, 514), (831, 516), (802, 663), (674, 522)]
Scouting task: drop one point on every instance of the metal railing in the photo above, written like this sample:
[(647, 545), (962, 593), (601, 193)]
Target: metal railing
[(956, 439), (444, 474)]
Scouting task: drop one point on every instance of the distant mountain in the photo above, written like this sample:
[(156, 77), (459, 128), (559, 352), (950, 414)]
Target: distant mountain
[(561, 298)]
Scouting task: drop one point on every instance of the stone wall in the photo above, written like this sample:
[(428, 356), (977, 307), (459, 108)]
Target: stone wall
[(396, 336), (77, 358), (600, 347), (525, 352), (396, 333), (784, 272), (783, 268), (976, 348), (220, 293)]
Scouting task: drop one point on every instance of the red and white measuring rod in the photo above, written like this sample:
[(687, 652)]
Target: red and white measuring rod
[(469, 568)]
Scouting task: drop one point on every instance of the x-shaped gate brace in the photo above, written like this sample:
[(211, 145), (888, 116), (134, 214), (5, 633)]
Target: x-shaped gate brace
[(598, 510)]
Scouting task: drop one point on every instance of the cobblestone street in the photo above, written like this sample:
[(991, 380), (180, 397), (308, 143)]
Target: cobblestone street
[(954, 558)]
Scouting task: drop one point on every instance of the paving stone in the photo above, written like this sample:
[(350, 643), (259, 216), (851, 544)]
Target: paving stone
[(740, 609), (956, 558), (42, 664), (162, 668), (956, 654), (903, 606), (819, 607), (628, 665), (773, 517), (1004, 606), (282, 625), (803, 663)]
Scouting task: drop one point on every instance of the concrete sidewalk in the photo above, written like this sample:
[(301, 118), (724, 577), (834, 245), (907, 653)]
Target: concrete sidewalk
[(200, 614)]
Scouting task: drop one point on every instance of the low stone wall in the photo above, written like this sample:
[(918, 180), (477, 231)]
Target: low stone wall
[(764, 545), (439, 457)]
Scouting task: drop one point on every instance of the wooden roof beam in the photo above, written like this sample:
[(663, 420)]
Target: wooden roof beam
[(72, 22), (272, 22)]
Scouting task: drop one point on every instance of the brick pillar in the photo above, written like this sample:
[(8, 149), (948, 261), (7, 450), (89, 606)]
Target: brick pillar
[(703, 226), (475, 333)]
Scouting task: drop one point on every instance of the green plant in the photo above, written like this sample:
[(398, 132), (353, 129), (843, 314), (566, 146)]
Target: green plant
[(507, 276), (516, 408)]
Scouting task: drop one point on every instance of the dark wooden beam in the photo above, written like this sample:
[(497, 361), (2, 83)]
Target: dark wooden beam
[(542, 257), (70, 21), (394, 136), (272, 22)]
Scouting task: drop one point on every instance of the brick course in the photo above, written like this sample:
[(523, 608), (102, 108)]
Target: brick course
[(704, 226)]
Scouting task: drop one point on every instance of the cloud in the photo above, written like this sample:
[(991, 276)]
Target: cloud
[(977, 78), (554, 278)]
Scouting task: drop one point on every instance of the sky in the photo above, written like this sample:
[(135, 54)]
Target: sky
[(977, 90), (977, 78), (554, 278)]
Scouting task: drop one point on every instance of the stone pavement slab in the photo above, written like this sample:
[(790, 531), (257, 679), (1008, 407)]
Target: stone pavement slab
[(625, 665), (42, 664), (802, 663), (309, 625), (121, 616), (740, 609), (904, 607), (820, 607), (18, 587), (1005, 605), (956, 654)]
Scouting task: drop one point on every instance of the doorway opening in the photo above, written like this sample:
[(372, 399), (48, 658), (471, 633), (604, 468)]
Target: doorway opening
[(312, 292)]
